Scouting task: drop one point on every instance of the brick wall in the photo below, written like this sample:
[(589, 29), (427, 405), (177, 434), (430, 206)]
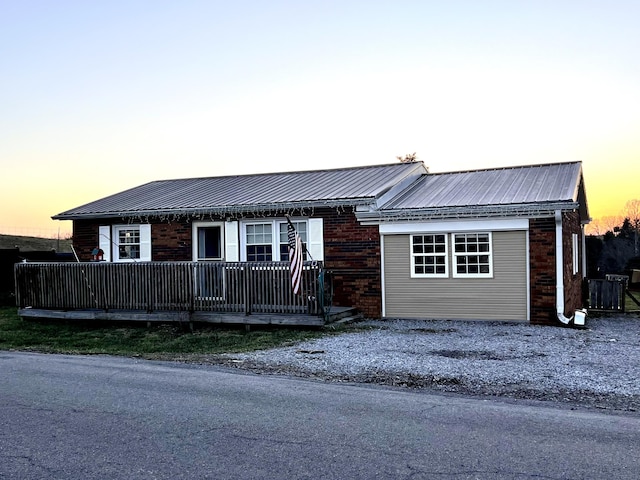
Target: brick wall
[(85, 238), (542, 270), (171, 242), (352, 253), (572, 283), (542, 248)]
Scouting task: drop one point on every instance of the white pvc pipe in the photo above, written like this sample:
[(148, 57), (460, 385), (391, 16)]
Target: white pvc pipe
[(560, 271)]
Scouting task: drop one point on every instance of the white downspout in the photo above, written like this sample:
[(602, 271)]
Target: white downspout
[(560, 271), (584, 254)]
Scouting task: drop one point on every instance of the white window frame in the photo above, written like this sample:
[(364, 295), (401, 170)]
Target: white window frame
[(304, 236), (313, 225), (144, 233), (194, 236), (455, 255), (415, 255), (245, 244)]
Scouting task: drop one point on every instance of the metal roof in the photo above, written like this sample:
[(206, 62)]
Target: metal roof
[(250, 193), (513, 190)]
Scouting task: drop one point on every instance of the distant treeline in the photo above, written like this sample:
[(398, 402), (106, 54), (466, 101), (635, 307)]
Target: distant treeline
[(616, 252)]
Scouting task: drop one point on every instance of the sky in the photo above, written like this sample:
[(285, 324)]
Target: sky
[(99, 97)]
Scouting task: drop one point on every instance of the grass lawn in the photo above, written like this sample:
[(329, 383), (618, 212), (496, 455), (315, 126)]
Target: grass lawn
[(158, 341), (630, 305)]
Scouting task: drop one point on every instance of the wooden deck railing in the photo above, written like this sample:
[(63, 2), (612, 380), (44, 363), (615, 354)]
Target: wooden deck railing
[(236, 287)]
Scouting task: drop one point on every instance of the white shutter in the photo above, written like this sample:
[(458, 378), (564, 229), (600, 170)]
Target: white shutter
[(316, 239), (231, 243), (104, 241), (145, 242)]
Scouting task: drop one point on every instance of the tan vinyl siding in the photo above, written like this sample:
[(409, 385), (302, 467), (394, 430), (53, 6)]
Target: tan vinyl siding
[(503, 297)]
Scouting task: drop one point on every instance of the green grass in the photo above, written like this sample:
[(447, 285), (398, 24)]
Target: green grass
[(630, 305), (35, 243), (157, 341)]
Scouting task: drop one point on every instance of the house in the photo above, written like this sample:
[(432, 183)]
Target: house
[(504, 243)]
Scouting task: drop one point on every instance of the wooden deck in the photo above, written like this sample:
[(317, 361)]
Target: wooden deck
[(301, 320), (251, 293)]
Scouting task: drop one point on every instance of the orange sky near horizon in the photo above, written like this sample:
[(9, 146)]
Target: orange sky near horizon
[(100, 98)]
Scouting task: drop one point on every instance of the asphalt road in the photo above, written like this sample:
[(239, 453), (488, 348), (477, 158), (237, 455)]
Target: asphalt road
[(79, 417)]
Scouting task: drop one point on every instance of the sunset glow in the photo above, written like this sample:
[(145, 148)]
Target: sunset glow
[(98, 98)]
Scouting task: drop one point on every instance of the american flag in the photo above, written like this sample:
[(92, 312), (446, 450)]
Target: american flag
[(295, 257)]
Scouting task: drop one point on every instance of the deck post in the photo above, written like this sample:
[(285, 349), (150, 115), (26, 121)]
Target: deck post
[(247, 296)]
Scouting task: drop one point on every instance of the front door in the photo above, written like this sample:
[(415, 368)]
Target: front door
[(208, 247)]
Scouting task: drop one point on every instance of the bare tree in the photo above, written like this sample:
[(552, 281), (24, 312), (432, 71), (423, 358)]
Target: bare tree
[(595, 227), (610, 222), (632, 212), (408, 158)]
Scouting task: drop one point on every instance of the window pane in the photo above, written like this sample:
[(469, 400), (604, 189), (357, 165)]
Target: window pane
[(129, 236), (301, 228), (209, 242), (259, 233), (473, 244), (129, 251), (128, 243), (259, 253), (429, 254)]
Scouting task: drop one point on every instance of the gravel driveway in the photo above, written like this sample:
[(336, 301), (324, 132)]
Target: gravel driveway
[(595, 367)]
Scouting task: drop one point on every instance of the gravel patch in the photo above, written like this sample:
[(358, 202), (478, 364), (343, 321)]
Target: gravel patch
[(594, 367)]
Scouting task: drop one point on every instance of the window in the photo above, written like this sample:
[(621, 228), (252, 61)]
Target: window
[(267, 240), (259, 238), (128, 243), (472, 255), (301, 228), (208, 241), (576, 253), (429, 255), (131, 243)]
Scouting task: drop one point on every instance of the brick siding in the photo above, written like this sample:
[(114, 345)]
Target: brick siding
[(542, 250), (572, 283), (542, 270), (352, 252)]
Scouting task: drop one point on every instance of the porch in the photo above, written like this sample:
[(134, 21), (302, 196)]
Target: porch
[(251, 293)]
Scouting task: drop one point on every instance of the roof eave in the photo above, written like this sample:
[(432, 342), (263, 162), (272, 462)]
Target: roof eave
[(226, 210), (479, 211)]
